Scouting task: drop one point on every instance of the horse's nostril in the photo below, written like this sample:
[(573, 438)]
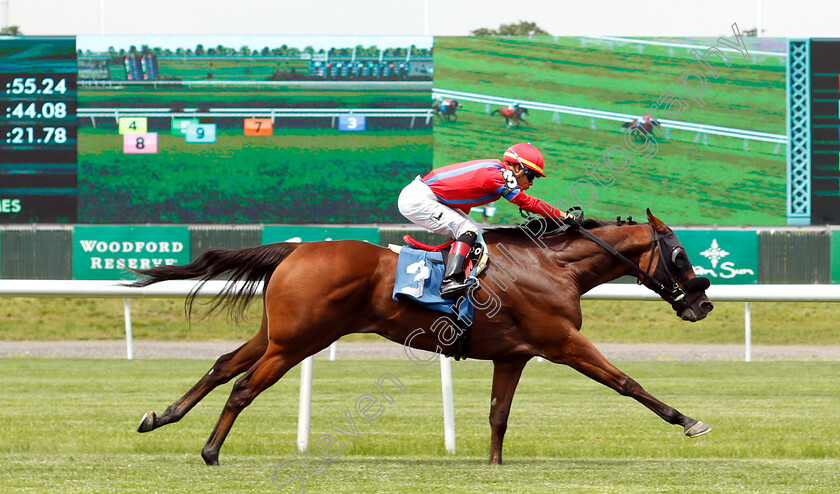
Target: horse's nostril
[(707, 306)]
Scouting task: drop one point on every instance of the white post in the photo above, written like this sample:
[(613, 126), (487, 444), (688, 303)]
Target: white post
[(333, 350), (448, 404), (747, 333), (305, 407), (129, 350)]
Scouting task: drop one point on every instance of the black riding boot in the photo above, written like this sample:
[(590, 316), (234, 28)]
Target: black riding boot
[(454, 283)]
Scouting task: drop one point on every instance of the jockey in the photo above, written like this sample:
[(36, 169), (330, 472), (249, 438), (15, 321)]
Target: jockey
[(645, 122), (445, 104), (513, 107), (442, 199)]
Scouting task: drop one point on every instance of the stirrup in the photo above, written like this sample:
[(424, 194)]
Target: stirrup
[(457, 289)]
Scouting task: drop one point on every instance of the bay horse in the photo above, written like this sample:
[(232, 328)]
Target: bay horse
[(447, 113), (316, 292), (646, 128), (513, 118)]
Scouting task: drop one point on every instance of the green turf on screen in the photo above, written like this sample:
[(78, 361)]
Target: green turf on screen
[(686, 182), (295, 176)]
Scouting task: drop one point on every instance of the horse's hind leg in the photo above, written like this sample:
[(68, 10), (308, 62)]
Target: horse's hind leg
[(226, 368), (580, 354), (265, 372)]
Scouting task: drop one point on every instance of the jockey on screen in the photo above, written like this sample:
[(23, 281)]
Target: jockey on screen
[(442, 199), (513, 107), (644, 122)]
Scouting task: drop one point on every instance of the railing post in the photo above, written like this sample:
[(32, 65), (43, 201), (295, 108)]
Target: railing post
[(305, 406), (448, 404), (747, 333), (129, 340)]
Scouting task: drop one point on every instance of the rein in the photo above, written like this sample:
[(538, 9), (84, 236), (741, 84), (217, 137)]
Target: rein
[(673, 294)]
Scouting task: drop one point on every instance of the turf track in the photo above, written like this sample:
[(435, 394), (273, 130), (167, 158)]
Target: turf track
[(68, 426)]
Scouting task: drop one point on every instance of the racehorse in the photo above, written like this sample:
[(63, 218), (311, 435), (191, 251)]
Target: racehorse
[(448, 113), (316, 292), (513, 118), (645, 128)]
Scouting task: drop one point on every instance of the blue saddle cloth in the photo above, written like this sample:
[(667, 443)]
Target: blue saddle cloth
[(419, 275)]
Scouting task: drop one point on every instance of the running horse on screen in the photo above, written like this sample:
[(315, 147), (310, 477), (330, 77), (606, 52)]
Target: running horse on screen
[(514, 117), (316, 292)]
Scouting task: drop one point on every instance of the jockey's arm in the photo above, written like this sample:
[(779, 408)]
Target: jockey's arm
[(537, 206)]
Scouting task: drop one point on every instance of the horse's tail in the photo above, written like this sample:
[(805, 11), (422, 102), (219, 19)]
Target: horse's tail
[(495, 112), (250, 266)]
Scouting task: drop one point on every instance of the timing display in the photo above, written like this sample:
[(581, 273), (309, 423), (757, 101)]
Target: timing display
[(38, 129), (50, 85), (36, 110), (37, 135)]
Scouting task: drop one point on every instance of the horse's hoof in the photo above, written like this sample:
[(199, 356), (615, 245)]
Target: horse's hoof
[(210, 458), (147, 423), (697, 429)]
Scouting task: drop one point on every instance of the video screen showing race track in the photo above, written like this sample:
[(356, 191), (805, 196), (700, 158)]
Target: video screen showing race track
[(259, 129), (716, 154)]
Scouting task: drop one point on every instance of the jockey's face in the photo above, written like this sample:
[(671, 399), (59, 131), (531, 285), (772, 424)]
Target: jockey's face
[(524, 183)]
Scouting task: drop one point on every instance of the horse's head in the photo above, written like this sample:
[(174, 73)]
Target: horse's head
[(671, 268)]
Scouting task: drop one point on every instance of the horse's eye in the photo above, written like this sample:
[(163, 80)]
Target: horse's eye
[(678, 258)]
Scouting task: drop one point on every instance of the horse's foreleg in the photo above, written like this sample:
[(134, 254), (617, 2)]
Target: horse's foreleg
[(226, 368), (265, 372), (505, 378), (580, 354)]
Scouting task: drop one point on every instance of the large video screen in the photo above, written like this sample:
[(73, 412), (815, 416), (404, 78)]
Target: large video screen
[(221, 129), (718, 157), (329, 129)]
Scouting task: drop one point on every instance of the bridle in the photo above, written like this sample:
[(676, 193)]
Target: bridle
[(662, 281)]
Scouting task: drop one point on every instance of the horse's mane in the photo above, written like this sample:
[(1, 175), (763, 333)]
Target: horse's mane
[(549, 227)]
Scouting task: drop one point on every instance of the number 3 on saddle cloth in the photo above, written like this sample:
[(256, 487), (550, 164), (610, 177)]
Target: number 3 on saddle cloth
[(420, 271)]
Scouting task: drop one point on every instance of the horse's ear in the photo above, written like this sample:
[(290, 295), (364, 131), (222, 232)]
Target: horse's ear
[(656, 222)]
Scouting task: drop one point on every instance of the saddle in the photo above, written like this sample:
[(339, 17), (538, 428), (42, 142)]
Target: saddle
[(426, 275), (478, 258)]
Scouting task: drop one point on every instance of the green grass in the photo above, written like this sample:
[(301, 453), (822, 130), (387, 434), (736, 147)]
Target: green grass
[(562, 71), (686, 182), (68, 426), (294, 176), (603, 321)]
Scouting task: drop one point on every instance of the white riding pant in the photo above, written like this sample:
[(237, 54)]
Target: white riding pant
[(418, 203)]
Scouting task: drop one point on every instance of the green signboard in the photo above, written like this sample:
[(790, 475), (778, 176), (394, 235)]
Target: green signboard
[(271, 234), (724, 256), (107, 252)]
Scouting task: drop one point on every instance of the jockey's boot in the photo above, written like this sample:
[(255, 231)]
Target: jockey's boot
[(454, 283)]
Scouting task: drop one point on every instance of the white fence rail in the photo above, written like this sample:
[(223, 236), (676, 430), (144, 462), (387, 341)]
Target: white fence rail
[(272, 113), (750, 135), (110, 289)]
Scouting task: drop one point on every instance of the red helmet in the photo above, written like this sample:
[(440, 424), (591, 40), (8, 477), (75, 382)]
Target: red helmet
[(527, 155)]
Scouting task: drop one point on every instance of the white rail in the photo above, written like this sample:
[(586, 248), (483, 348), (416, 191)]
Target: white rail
[(316, 84), (752, 135), (271, 113), (668, 44)]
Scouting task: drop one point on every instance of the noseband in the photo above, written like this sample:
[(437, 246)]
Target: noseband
[(662, 281)]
